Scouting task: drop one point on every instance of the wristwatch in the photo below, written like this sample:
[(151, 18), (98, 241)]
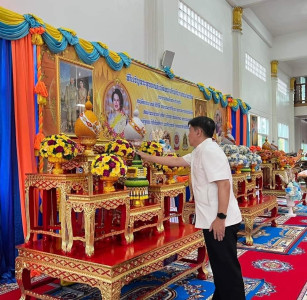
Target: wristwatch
[(221, 216)]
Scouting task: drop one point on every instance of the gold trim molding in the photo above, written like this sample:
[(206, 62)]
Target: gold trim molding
[(237, 18), (274, 68)]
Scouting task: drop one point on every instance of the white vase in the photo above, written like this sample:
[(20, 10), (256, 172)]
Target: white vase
[(290, 205)]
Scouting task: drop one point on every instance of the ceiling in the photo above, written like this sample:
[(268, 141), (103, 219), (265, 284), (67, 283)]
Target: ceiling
[(280, 17)]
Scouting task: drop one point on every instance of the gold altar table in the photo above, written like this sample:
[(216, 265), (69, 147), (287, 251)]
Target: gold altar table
[(88, 205), (145, 213), (161, 193), (256, 208), (113, 265), (239, 182), (48, 183)]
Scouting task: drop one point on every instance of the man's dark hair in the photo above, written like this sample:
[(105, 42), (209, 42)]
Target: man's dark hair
[(120, 96), (206, 124)]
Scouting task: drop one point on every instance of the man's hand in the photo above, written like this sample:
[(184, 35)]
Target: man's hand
[(143, 155), (218, 227)]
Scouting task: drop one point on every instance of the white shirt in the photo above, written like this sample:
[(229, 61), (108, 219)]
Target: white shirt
[(209, 164)]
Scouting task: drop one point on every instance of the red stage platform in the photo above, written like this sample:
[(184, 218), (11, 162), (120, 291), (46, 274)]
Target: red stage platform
[(113, 265)]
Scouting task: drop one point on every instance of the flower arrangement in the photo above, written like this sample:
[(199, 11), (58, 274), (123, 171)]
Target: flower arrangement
[(243, 149), (58, 146), (108, 165), (282, 161), (237, 159), (121, 148), (278, 153), (254, 148), (253, 158), (167, 169), (265, 155), (153, 148), (291, 161), (230, 149)]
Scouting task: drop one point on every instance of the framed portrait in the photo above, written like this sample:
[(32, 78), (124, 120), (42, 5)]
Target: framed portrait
[(253, 130), (200, 107), (117, 107), (75, 87)]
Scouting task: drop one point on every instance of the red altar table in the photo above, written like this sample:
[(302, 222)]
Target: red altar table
[(162, 193), (112, 265), (257, 207)]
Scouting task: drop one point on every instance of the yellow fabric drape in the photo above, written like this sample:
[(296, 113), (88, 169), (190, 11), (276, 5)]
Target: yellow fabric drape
[(9, 17), (86, 45), (56, 34)]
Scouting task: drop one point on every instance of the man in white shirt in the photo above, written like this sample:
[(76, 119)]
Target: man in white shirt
[(216, 208)]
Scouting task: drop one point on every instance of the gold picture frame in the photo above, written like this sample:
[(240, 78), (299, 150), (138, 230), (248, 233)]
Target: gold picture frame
[(199, 107), (74, 87)]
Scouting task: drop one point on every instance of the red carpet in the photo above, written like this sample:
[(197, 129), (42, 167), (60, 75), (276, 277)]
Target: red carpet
[(285, 275), (298, 220)]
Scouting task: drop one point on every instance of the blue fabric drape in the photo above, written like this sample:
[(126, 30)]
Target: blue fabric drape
[(14, 32), (10, 231)]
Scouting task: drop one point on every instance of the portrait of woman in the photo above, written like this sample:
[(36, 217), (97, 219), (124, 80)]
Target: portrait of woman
[(117, 108), (176, 141), (82, 92), (218, 122)]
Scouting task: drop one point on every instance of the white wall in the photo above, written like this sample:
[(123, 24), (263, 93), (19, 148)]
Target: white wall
[(196, 60), (285, 111), (256, 92), (117, 23), (301, 133)]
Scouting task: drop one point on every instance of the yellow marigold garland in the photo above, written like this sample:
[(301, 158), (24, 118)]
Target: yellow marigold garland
[(120, 147), (167, 169), (108, 165), (59, 146), (153, 148)]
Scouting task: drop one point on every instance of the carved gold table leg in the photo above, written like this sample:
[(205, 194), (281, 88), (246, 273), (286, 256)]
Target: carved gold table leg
[(160, 227), (127, 236), (249, 223), (130, 229), (89, 228), (111, 291), (22, 278), (69, 227), (27, 215), (63, 217)]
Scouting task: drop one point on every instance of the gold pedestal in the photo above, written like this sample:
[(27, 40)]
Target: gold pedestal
[(57, 164), (88, 142), (109, 184)]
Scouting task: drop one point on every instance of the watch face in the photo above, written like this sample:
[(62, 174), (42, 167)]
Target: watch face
[(221, 216)]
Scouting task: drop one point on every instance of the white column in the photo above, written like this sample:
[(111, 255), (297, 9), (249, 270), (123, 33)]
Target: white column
[(292, 147), (292, 139), (274, 110), (236, 45), (154, 32), (274, 71), (237, 64)]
